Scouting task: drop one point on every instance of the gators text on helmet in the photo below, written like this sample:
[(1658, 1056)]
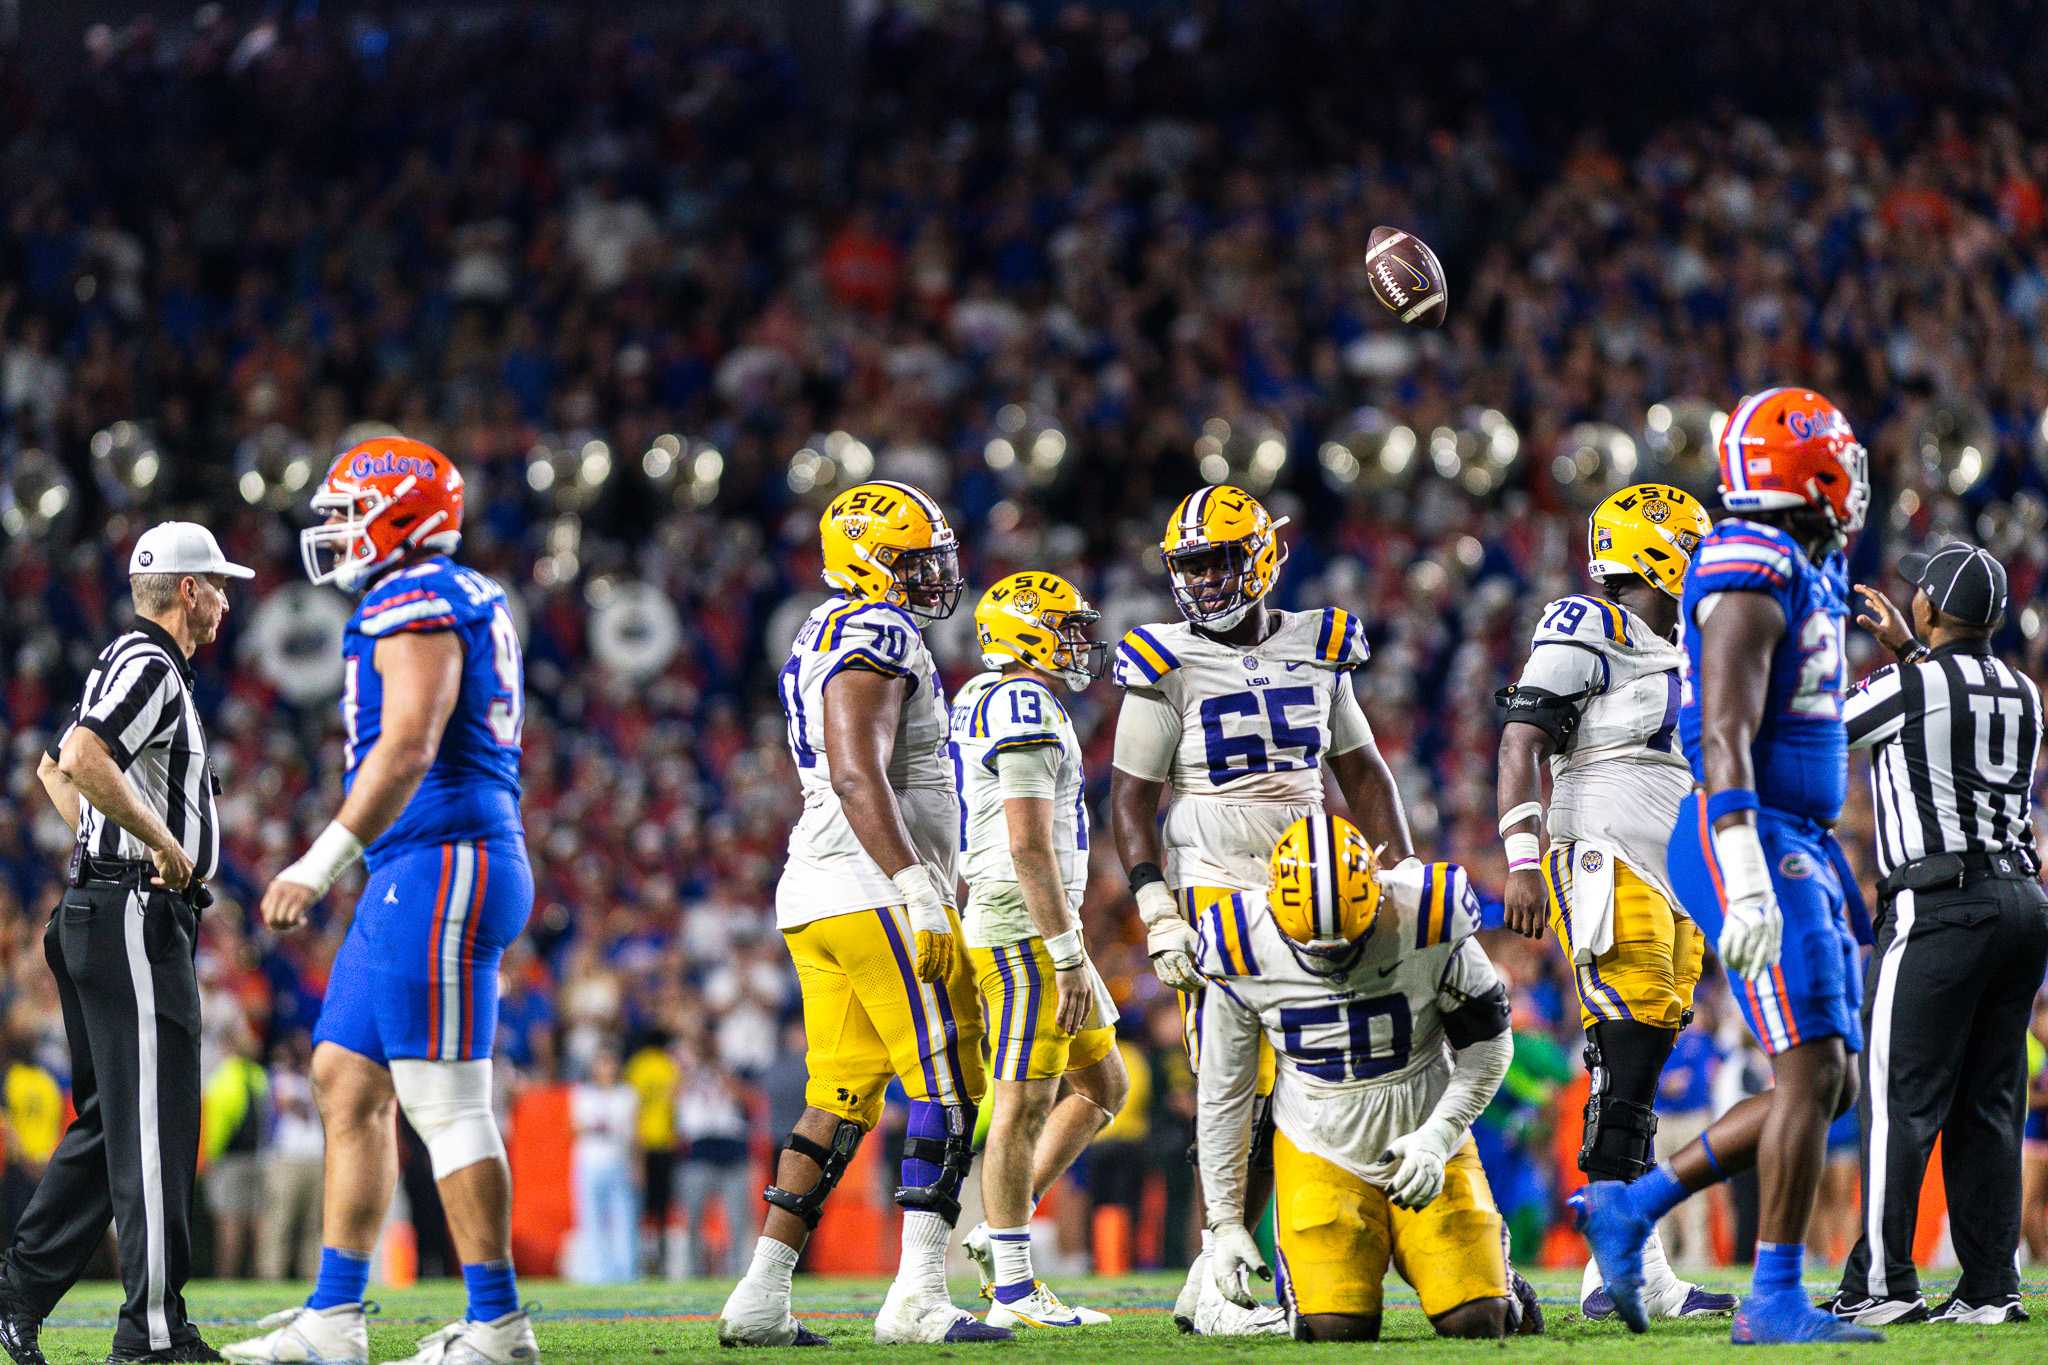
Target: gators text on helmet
[(384, 499), (1325, 892), (1789, 448), (1221, 554), (1042, 620), (889, 542), (1649, 530)]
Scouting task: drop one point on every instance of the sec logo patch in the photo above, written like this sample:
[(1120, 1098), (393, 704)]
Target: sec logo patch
[(1796, 865), (1590, 860)]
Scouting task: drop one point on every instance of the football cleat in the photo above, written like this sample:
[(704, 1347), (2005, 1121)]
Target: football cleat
[(307, 1336), (501, 1341), (1041, 1308), (1525, 1309), (1608, 1220), (752, 1317), (1784, 1318), (1190, 1296), (1216, 1316), (910, 1317)]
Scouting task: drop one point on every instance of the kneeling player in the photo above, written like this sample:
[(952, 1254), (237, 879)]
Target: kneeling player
[(1391, 1029), (1025, 845), (865, 907)]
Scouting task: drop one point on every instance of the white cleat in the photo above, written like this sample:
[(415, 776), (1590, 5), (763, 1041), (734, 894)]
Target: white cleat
[(1216, 1316), (501, 1341), (307, 1336), (976, 1245), (752, 1318), (913, 1317), (1042, 1308), (1190, 1296)]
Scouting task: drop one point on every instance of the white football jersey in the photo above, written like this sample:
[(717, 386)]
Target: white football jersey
[(1255, 725), (993, 715), (1622, 775), (1363, 1058), (828, 872)]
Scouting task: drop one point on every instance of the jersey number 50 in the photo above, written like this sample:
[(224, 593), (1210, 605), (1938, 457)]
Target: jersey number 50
[(1335, 1042)]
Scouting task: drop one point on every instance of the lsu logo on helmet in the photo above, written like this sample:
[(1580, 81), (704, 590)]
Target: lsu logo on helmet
[(1649, 530), (1788, 448), (382, 500), (1325, 893), (1221, 554), (889, 542), (1042, 620)]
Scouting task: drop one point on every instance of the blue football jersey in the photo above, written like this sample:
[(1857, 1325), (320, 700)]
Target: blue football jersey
[(472, 791), (1800, 753)]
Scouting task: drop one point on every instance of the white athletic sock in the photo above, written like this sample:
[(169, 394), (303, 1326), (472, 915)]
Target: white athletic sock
[(923, 1264), (1658, 1277), (1012, 1248), (772, 1267), (1208, 1241)]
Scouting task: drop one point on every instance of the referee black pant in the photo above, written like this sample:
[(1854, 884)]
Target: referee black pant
[(123, 962), (1945, 1009)]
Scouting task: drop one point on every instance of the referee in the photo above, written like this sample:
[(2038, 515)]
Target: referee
[(130, 775), (1962, 940)]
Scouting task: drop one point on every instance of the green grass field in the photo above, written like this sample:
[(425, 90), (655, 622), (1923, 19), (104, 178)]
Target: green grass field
[(654, 1322)]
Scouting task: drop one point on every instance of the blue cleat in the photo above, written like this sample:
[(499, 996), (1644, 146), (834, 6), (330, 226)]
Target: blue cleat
[(1782, 1319), (1607, 1218)]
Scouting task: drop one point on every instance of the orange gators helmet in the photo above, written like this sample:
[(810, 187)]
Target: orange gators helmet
[(383, 499), (1788, 448)]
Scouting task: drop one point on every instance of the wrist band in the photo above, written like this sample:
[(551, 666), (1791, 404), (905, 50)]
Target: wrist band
[(1143, 875), (1519, 814), (1065, 950), (1734, 799), (1914, 652), (329, 856), (1523, 851)]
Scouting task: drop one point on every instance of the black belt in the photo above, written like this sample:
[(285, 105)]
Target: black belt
[(129, 873), (1947, 871)]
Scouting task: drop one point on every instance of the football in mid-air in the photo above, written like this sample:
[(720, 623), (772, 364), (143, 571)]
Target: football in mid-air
[(1406, 276)]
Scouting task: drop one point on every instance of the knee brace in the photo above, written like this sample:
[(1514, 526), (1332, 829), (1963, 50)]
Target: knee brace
[(449, 1106), (832, 1163), (953, 1154), (1620, 1129)]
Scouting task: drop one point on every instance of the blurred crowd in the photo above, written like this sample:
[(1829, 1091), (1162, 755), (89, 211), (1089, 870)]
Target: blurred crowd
[(660, 289)]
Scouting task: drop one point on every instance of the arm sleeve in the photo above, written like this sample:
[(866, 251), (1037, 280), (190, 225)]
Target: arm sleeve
[(1226, 1080), (135, 705), (1147, 734), (1876, 708), (1030, 771), (1476, 1074), (1349, 729)]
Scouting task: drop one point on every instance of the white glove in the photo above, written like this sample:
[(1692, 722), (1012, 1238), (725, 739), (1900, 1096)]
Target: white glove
[(1233, 1262), (1411, 1170), (1170, 940), (1753, 927)]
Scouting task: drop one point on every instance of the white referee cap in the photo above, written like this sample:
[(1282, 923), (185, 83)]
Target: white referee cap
[(182, 547)]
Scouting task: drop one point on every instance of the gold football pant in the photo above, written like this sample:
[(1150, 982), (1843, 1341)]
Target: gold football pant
[(1648, 973)]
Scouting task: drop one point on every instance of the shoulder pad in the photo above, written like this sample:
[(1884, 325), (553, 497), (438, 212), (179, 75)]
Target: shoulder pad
[(874, 636), (1016, 713), (1448, 907), (1583, 619), (423, 598), (1142, 659), (1340, 638), (1744, 556), (1226, 931)]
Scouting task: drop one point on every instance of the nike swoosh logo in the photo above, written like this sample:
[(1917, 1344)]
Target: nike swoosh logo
[(1388, 971), (1293, 667)]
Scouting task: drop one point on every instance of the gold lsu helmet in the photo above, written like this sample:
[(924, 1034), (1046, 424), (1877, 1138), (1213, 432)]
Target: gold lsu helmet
[(1042, 620), (889, 542), (1222, 555), (1647, 529), (1325, 892)]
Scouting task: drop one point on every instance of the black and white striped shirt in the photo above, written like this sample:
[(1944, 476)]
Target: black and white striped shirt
[(1954, 739), (138, 698)]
